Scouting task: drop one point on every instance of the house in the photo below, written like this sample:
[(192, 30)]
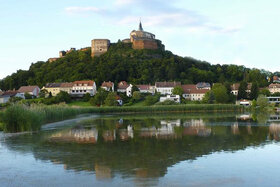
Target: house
[(191, 92), (175, 98), (5, 97), (203, 85), (52, 88), (32, 90), (235, 87), (66, 87), (146, 88), (80, 88), (124, 87), (274, 88), (166, 88), (108, 86)]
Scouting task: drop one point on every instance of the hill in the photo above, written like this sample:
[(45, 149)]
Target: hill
[(121, 62)]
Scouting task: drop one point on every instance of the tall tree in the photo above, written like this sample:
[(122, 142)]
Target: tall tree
[(242, 94), (254, 91)]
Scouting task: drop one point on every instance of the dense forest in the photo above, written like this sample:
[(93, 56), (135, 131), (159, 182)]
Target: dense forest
[(121, 62)]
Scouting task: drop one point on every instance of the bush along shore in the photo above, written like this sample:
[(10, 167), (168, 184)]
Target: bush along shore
[(20, 118)]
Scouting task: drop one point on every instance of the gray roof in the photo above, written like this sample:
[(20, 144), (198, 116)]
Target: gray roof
[(52, 85)]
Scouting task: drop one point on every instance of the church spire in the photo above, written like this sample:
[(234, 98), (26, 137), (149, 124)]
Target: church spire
[(140, 26)]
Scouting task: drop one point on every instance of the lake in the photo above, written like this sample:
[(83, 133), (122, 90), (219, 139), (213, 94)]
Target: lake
[(211, 149)]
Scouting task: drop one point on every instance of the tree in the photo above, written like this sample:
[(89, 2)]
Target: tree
[(265, 92), (136, 96), (242, 94), (86, 97), (63, 97), (111, 99), (43, 93), (27, 95), (220, 93), (254, 91), (262, 101), (178, 90), (99, 97), (150, 100)]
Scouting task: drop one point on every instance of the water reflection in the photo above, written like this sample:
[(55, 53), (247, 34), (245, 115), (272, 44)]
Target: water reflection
[(139, 147)]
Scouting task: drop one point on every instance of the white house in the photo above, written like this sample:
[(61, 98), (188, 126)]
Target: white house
[(4, 99), (191, 92), (147, 88), (124, 87), (274, 88), (80, 88), (108, 86), (166, 88), (175, 98), (32, 90)]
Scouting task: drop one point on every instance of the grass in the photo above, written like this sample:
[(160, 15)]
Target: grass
[(79, 103), (19, 118)]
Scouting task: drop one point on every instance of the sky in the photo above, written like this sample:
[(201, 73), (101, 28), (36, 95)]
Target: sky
[(242, 32)]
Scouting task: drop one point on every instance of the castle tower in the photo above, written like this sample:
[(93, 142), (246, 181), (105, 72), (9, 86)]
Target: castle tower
[(99, 46)]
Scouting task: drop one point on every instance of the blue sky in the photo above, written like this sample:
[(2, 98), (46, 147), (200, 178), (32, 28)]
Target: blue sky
[(226, 32)]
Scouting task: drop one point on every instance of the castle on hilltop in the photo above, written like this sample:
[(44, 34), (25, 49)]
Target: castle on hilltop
[(139, 39)]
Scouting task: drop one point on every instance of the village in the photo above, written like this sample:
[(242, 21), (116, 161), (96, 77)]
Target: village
[(79, 89)]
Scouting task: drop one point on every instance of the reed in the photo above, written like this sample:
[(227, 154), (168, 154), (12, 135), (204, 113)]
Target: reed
[(19, 117)]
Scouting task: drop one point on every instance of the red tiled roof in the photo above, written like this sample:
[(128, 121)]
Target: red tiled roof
[(236, 86), (192, 89), (123, 85), (107, 84), (67, 85), (88, 82), (25, 89), (143, 87), (10, 93), (167, 84), (274, 86)]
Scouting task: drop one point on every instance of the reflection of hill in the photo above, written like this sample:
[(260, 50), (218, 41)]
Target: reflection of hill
[(137, 156)]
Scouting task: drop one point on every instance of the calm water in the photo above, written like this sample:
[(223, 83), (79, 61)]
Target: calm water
[(146, 150)]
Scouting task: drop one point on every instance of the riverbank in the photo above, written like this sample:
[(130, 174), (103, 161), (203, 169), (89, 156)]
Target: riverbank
[(20, 118)]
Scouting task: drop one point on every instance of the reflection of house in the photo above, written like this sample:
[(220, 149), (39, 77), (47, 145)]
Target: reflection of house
[(102, 172), (166, 88), (171, 122), (109, 136), (197, 128), (126, 134), (78, 135), (235, 128), (274, 130)]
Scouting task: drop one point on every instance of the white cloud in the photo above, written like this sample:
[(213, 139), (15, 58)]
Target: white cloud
[(77, 10)]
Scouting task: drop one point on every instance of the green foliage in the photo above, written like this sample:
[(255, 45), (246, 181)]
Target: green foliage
[(86, 97), (99, 97), (167, 102), (209, 97), (220, 93), (262, 102), (63, 97), (43, 93), (121, 62), (265, 92), (150, 100), (242, 94), (136, 96), (111, 99), (27, 96), (178, 90), (254, 91)]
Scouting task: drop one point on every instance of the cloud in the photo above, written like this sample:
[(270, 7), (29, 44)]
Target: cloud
[(77, 10), (160, 13)]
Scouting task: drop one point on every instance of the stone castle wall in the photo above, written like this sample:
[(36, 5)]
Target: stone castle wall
[(99, 46), (145, 44)]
